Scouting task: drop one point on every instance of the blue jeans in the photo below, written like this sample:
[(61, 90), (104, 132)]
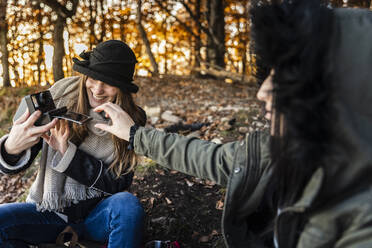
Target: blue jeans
[(117, 220)]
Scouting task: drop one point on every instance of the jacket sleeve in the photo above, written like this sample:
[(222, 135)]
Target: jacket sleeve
[(192, 156), (357, 239), (25, 160), (90, 171)]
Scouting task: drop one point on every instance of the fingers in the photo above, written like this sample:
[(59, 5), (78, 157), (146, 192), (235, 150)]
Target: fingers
[(61, 129), (112, 110), (102, 126), (46, 138), (107, 107), (38, 130), (102, 107), (58, 125), (65, 129), (22, 118), (32, 119)]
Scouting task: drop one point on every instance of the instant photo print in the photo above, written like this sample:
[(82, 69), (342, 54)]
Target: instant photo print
[(44, 102)]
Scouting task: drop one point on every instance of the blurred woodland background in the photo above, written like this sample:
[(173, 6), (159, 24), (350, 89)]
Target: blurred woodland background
[(195, 70), (38, 38)]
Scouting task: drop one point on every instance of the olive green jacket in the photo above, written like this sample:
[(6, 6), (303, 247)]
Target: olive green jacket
[(244, 168)]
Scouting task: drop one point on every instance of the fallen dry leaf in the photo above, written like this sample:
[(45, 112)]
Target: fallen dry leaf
[(219, 205), (152, 199), (190, 184), (168, 201), (204, 239)]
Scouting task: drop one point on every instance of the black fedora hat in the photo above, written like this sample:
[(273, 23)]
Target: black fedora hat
[(111, 62)]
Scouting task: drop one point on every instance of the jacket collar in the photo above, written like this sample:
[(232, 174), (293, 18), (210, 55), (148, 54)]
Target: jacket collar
[(309, 194), (311, 189)]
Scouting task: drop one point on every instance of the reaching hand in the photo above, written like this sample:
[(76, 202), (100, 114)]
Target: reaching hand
[(24, 134), (58, 136), (121, 121)]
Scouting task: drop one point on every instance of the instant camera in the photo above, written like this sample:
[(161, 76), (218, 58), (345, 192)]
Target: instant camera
[(43, 101)]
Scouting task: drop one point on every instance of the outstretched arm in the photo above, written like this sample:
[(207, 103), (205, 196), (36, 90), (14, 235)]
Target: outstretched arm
[(192, 156)]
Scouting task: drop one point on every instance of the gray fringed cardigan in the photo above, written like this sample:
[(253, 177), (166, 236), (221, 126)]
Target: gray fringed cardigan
[(52, 189)]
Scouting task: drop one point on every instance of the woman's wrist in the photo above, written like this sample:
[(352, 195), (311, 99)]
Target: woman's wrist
[(132, 132), (10, 158), (10, 151), (63, 149)]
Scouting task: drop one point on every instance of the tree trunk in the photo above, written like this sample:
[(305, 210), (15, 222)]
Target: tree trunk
[(165, 32), (4, 43), (145, 39), (122, 29), (92, 20), (366, 3), (123, 21), (245, 39), (198, 38), (103, 22), (40, 56), (216, 38), (222, 74), (59, 50)]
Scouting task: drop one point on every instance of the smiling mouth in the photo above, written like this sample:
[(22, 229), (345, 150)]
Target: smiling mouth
[(98, 98)]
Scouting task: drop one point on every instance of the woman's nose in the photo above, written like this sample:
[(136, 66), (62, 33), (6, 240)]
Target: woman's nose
[(98, 88), (262, 93), (265, 91)]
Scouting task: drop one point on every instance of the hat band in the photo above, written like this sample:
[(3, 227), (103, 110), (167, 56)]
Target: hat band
[(120, 62), (107, 70)]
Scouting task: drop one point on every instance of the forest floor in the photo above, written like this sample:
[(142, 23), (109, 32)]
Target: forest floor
[(178, 207)]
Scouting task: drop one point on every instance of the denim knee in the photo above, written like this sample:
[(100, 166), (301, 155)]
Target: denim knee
[(117, 220), (124, 203)]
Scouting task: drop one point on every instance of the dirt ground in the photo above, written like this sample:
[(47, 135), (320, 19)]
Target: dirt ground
[(181, 207), (178, 207)]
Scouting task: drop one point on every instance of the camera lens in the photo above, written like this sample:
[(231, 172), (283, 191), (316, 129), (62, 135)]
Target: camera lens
[(42, 98)]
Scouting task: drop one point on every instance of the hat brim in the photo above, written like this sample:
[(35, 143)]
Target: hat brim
[(124, 85)]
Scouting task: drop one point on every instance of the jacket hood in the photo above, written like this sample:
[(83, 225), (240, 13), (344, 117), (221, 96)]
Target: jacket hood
[(351, 58), (322, 59)]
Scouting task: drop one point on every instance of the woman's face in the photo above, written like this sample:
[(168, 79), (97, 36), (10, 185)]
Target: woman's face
[(265, 94), (99, 93)]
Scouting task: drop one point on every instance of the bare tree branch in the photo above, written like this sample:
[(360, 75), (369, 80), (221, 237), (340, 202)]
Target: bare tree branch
[(188, 29), (206, 30), (223, 74), (145, 39)]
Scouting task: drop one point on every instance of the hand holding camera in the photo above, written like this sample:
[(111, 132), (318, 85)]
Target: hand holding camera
[(40, 117), (44, 102), (24, 134)]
